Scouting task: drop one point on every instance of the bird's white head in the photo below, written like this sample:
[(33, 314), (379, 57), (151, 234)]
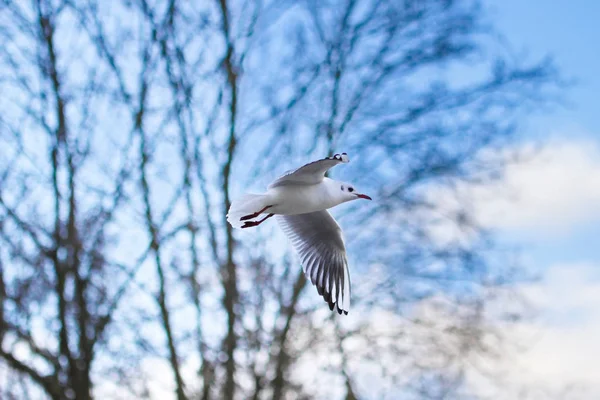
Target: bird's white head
[(348, 192)]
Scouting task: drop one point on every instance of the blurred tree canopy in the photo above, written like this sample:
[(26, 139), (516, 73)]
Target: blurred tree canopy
[(127, 127)]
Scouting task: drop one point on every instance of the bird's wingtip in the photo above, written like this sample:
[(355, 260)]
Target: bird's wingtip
[(340, 311), (340, 157), (333, 306)]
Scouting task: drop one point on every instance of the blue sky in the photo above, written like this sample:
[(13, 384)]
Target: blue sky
[(550, 207), (553, 214), (567, 30)]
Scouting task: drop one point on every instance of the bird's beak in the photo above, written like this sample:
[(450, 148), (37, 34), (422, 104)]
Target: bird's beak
[(364, 196)]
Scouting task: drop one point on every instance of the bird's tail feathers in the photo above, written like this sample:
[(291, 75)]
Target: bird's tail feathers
[(249, 203)]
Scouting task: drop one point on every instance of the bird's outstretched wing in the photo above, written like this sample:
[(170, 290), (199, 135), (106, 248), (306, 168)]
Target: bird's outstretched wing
[(311, 173), (318, 241)]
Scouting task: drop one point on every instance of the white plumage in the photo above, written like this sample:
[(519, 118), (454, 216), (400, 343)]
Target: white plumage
[(300, 200)]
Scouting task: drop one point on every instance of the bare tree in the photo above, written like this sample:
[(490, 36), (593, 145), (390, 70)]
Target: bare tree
[(127, 129)]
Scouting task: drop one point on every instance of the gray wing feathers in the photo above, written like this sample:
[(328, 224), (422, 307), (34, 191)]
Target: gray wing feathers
[(318, 241), (311, 173)]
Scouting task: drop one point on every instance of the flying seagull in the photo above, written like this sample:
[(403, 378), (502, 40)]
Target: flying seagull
[(300, 199)]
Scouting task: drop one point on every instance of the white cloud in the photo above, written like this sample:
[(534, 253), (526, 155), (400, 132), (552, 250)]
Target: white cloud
[(561, 353), (554, 191), (550, 190), (557, 188)]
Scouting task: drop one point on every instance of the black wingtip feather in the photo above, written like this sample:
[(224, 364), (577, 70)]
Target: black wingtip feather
[(328, 299)]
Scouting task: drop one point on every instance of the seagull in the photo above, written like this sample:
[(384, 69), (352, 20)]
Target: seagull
[(300, 199)]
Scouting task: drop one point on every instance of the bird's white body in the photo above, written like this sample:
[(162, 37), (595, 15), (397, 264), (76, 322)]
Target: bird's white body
[(305, 199), (300, 199)]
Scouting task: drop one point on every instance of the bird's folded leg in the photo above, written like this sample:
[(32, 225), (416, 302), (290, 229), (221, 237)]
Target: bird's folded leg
[(249, 224), (256, 214)]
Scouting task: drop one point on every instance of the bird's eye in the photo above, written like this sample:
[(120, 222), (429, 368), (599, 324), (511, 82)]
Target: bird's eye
[(342, 188), (351, 189)]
